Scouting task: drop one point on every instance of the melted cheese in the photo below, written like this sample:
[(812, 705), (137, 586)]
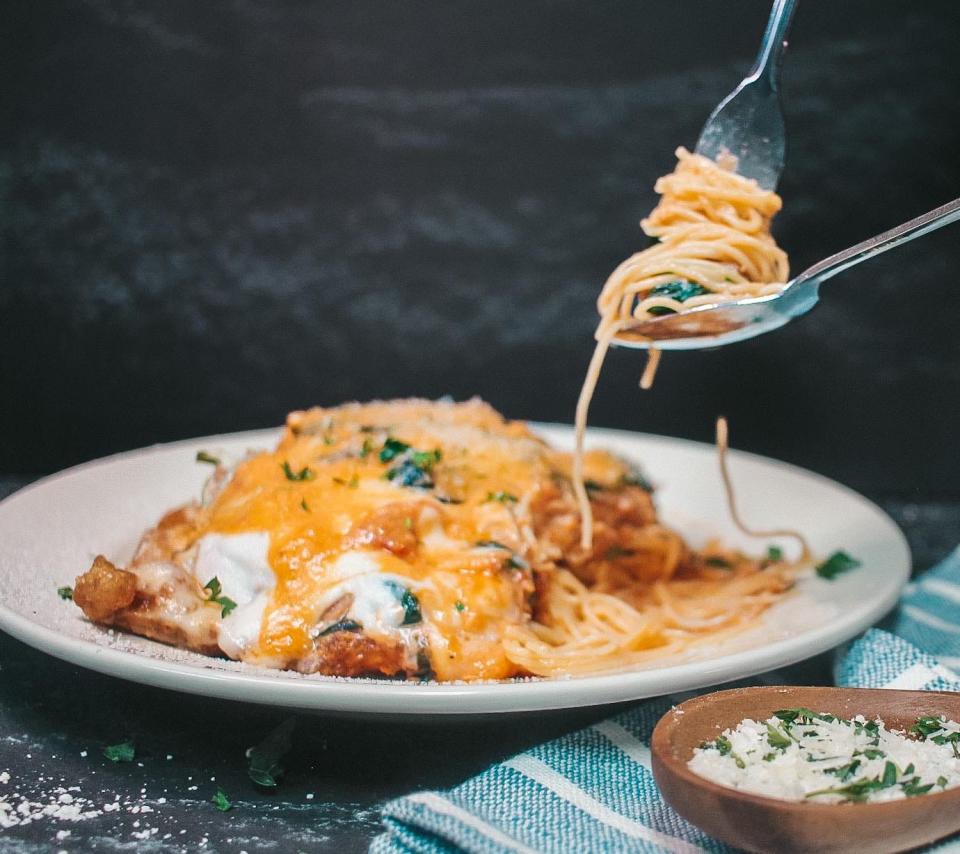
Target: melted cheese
[(322, 517)]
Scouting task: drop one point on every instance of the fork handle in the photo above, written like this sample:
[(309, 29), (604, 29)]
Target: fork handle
[(829, 267), (767, 66)]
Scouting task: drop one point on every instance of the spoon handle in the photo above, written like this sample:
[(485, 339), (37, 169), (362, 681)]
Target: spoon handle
[(772, 47), (829, 267)]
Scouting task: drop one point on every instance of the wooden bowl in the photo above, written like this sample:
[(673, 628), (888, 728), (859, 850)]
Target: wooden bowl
[(763, 824)]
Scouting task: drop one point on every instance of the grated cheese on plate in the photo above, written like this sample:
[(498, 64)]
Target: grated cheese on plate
[(802, 755)]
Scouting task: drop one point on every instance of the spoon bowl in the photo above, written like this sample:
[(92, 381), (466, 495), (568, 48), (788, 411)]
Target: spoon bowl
[(721, 323), (762, 824)]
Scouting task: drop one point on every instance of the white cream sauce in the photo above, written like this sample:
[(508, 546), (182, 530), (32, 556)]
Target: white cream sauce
[(239, 562)]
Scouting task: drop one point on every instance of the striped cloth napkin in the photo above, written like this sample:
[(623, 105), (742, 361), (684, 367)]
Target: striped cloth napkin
[(593, 790)]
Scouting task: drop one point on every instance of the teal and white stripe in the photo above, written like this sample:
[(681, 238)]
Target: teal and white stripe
[(593, 790)]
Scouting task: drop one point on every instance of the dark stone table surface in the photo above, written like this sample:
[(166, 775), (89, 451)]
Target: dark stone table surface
[(55, 720)]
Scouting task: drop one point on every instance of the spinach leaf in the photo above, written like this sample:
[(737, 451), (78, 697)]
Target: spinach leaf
[(408, 473), (392, 448), (345, 625)]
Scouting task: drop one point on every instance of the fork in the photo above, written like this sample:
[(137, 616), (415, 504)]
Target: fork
[(748, 123)]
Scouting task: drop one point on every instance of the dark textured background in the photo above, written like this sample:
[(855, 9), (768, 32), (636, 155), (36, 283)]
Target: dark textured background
[(211, 213)]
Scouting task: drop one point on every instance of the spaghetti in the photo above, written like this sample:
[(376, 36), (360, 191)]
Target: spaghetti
[(624, 607), (714, 245)]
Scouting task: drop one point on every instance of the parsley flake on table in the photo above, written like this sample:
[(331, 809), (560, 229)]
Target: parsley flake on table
[(65, 593), (204, 457), (265, 768), (122, 752), (221, 801)]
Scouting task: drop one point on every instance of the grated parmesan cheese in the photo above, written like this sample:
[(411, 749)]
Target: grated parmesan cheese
[(801, 755)]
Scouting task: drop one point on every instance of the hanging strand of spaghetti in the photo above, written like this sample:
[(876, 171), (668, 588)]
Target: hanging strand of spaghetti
[(722, 454)]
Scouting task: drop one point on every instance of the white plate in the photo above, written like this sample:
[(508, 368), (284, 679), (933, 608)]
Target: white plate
[(50, 532)]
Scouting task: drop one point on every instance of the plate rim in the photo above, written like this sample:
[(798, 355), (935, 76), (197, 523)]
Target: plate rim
[(333, 694)]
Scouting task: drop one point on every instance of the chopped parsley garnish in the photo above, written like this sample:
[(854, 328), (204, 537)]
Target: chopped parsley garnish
[(912, 788), (871, 753), (352, 483), (221, 801), (426, 459), (777, 739), (304, 505), (926, 726), (502, 497), (204, 457), (225, 602), (844, 772), (718, 562), (366, 448), (722, 745), (265, 768), (860, 790), (345, 625), (679, 291), (593, 486), (65, 593), (800, 715), (392, 448), (837, 564), (774, 554), (304, 474), (459, 605), (122, 752)]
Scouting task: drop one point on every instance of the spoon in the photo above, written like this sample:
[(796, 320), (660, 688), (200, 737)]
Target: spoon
[(718, 324), (762, 824)]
